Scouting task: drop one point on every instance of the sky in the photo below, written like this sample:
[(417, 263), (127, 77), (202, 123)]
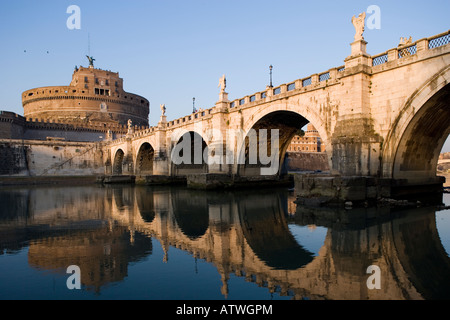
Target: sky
[(174, 50)]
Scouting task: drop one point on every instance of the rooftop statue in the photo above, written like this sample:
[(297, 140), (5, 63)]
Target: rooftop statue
[(358, 23), (91, 61)]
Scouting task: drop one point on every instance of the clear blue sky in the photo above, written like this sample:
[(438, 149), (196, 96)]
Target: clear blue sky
[(173, 50)]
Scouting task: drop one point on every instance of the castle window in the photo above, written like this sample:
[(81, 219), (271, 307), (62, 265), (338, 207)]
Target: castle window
[(97, 91), (96, 80), (107, 92), (85, 79), (117, 84), (107, 82)]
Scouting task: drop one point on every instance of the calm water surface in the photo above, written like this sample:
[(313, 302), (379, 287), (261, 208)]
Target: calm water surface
[(174, 243)]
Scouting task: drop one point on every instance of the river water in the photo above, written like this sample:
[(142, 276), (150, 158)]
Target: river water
[(173, 243)]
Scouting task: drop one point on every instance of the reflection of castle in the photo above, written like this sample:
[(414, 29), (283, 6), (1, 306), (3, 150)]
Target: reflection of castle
[(92, 105)]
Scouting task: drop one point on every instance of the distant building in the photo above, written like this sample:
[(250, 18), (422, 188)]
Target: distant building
[(310, 142)]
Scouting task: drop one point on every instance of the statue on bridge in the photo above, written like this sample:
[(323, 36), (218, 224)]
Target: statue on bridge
[(358, 23), (163, 109), (222, 83), (405, 41)]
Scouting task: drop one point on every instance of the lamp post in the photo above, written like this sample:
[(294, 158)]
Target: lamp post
[(270, 68)]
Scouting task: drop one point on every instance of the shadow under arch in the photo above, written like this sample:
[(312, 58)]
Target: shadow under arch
[(187, 154), (263, 221), (118, 162), (424, 138), (190, 208), (144, 159), (288, 123)]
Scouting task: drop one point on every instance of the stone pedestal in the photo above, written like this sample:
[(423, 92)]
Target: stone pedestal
[(223, 96), (358, 47)]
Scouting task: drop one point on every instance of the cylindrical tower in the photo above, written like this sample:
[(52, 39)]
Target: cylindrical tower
[(94, 96)]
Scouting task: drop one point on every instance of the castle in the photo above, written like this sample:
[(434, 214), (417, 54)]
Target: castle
[(93, 107)]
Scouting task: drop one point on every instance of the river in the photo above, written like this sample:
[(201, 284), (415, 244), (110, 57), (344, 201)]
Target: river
[(174, 243)]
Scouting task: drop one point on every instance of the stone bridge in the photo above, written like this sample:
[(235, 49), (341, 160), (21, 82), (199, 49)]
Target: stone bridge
[(384, 116)]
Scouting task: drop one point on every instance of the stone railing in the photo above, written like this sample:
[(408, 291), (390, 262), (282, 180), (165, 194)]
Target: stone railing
[(403, 51)]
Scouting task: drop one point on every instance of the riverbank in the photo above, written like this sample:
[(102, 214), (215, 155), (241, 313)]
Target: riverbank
[(47, 180)]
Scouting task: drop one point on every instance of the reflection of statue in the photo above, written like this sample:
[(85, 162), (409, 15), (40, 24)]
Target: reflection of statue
[(130, 124), (222, 83), (91, 61), (358, 23), (163, 109)]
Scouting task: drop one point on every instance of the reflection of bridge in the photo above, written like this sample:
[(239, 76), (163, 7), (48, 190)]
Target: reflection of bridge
[(384, 115), (246, 234)]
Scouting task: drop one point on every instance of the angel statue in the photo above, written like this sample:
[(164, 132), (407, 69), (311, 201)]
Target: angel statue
[(358, 23), (130, 124), (163, 109), (91, 61), (222, 83)]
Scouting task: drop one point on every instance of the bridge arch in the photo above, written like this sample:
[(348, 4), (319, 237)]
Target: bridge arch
[(144, 159), (289, 119), (312, 116), (117, 168), (187, 153), (413, 145)]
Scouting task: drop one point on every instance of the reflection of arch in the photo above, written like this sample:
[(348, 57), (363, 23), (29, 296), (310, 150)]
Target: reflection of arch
[(189, 149), (124, 197), (144, 200), (287, 122), (118, 162), (413, 145), (144, 159), (191, 212), (265, 228), (422, 255)]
